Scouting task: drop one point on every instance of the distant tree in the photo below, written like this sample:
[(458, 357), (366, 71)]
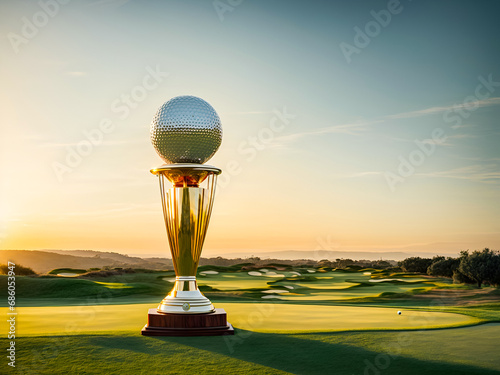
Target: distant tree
[(443, 267), (479, 266), (495, 277), (380, 264), (460, 278), (18, 270), (343, 263), (415, 264), (325, 263), (348, 262), (437, 258)]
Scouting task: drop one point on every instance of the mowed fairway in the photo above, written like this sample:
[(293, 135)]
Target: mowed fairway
[(459, 351), (258, 317), (293, 321)]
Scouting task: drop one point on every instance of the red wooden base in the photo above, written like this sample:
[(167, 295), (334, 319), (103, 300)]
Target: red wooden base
[(211, 324)]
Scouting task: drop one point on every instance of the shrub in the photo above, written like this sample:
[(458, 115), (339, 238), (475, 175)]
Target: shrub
[(18, 270), (444, 267), (415, 264)]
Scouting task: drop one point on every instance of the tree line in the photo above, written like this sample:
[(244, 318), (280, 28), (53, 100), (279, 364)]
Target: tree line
[(479, 267)]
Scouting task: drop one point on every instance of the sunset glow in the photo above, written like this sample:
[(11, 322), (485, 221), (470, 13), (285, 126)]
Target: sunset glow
[(394, 150)]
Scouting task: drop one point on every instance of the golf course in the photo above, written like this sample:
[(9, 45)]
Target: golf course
[(299, 320)]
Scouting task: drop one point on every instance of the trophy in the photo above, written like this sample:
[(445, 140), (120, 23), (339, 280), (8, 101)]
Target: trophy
[(186, 132)]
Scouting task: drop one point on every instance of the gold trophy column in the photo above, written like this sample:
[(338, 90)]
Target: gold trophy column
[(187, 209)]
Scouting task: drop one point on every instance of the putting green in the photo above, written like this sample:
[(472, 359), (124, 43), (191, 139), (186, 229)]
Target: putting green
[(259, 317), (227, 284), (330, 286), (268, 317)]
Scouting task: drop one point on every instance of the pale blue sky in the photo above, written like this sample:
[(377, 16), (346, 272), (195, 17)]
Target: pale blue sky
[(323, 174)]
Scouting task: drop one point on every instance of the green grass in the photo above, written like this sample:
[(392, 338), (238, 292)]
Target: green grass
[(417, 352), (273, 336), (232, 283), (56, 287), (258, 317), (60, 287)]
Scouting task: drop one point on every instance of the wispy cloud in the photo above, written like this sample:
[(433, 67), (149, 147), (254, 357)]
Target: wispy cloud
[(434, 110), (358, 174), (489, 173), (112, 3), (483, 173), (480, 159), (461, 126), (118, 210), (363, 174), (357, 129), (250, 113), (351, 129), (102, 143), (434, 142), (461, 136)]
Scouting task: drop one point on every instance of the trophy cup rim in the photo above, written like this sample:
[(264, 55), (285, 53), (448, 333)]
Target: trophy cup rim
[(186, 166)]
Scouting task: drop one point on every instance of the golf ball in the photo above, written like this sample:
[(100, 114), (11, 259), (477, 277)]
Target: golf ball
[(399, 312), (186, 129)]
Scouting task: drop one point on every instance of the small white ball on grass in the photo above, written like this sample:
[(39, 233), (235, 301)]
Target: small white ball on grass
[(399, 312)]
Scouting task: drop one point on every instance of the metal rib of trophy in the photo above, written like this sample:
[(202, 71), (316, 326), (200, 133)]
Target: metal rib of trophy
[(186, 132)]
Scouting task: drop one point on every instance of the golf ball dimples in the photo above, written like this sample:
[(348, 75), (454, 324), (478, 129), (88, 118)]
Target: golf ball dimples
[(186, 129)]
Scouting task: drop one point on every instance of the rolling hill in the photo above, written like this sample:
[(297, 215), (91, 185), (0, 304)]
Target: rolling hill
[(44, 261)]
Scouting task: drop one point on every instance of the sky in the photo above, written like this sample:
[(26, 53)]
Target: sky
[(361, 125)]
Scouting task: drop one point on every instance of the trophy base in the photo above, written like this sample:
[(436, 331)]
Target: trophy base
[(185, 298), (165, 324)]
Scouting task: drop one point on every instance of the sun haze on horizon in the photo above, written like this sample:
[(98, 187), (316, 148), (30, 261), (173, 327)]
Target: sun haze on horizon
[(366, 126)]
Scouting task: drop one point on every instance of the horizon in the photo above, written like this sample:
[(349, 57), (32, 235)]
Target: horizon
[(336, 138), (282, 254)]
